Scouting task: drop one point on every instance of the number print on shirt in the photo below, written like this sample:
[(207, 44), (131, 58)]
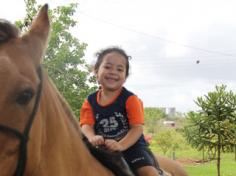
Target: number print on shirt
[(113, 126), (109, 123)]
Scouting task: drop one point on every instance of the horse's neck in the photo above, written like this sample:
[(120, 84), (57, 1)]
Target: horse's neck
[(56, 147)]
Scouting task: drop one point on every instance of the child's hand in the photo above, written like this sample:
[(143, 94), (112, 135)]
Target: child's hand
[(113, 145), (96, 140)]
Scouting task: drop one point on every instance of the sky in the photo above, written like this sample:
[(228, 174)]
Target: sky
[(180, 49)]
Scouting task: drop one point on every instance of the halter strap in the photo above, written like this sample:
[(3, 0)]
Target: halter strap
[(20, 169)]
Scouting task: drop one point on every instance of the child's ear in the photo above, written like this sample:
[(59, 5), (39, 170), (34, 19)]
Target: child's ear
[(96, 74), (97, 80)]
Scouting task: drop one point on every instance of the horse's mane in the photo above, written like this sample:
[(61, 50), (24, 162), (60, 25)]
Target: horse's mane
[(60, 100), (7, 31)]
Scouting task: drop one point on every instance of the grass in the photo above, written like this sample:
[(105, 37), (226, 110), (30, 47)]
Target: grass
[(228, 164)]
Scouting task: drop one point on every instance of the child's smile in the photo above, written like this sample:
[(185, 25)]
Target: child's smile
[(111, 74)]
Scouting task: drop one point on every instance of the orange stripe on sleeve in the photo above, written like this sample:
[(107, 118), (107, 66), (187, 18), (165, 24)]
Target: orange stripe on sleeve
[(86, 114), (134, 108)]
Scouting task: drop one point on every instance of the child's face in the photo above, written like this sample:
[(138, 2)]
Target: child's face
[(112, 71)]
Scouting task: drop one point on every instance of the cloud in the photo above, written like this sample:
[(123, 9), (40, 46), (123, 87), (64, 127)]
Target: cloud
[(165, 39)]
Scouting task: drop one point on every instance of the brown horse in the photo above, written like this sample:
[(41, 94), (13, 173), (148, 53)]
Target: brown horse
[(39, 135)]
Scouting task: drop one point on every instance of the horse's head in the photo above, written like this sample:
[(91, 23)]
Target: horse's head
[(20, 58)]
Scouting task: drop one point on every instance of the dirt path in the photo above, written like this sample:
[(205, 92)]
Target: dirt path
[(189, 161)]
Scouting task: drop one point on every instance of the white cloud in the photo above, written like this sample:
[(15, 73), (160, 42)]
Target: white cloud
[(165, 39), (12, 10)]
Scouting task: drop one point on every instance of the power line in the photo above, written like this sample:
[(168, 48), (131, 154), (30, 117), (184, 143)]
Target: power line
[(158, 37)]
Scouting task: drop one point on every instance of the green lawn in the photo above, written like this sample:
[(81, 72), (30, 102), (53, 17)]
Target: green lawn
[(228, 167), (228, 164)]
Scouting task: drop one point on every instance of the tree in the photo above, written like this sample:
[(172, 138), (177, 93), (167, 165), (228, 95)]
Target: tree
[(64, 56), (191, 132), (214, 126), (152, 116), (169, 140)]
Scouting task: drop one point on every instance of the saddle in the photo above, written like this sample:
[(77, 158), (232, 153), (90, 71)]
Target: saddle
[(114, 161)]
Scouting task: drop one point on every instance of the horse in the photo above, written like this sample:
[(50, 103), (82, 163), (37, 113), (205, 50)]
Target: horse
[(39, 134)]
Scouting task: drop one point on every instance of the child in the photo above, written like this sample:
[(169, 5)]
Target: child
[(113, 116)]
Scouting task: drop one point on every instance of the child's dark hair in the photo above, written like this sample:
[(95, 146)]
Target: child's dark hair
[(100, 55)]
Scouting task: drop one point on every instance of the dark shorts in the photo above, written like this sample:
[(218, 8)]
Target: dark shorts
[(137, 157)]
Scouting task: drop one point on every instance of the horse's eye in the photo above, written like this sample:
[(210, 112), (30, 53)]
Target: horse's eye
[(24, 97)]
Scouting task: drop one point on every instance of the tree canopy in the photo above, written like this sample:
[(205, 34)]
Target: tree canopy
[(214, 126), (152, 116), (64, 56)]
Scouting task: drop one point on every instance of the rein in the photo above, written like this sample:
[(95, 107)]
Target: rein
[(23, 137)]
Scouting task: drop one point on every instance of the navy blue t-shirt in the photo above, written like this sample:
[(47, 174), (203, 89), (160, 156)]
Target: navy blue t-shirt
[(111, 121)]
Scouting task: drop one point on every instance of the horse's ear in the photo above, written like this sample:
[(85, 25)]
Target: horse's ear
[(38, 33)]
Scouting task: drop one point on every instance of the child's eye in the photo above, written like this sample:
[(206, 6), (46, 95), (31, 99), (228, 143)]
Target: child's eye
[(107, 67), (120, 69)]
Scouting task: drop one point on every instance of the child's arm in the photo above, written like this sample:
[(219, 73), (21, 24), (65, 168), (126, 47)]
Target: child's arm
[(134, 108), (131, 137), (88, 131), (86, 123)]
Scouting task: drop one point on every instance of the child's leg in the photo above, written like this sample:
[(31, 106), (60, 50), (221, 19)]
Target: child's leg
[(141, 161), (147, 171)]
